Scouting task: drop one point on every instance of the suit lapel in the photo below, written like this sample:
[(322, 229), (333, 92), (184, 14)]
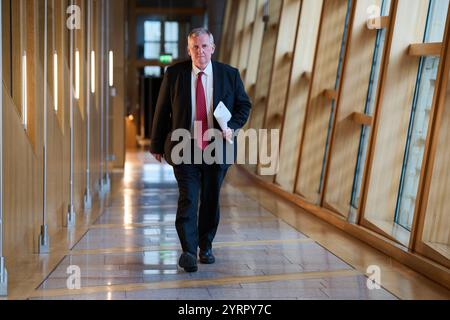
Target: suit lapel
[(217, 85), (187, 83)]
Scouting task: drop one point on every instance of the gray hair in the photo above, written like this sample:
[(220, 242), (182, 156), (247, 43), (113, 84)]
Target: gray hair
[(200, 31)]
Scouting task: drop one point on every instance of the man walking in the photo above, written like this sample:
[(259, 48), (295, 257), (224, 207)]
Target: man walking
[(189, 94)]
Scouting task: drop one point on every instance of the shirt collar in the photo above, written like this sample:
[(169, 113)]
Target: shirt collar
[(208, 70)]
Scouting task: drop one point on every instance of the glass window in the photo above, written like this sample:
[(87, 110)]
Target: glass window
[(436, 21), (171, 31), (172, 48), (420, 116), (171, 37), (370, 107), (154, 36), (152, 39), (152, 31), (152, 72), (151, 50)]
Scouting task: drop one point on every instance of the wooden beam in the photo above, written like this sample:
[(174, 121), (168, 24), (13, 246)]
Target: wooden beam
[(257, 35), (425, 49), (378, 23), (307, 75), (170, 11), (330, 94), (288, 56), (362, 119), (6, 45)]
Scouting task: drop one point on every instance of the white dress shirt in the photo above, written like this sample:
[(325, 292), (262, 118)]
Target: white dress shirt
[(208, 86)]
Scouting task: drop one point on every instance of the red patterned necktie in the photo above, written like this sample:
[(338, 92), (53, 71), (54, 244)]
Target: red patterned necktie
[(201, 113)]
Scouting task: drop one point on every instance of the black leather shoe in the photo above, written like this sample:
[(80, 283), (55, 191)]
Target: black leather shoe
[(189, 262), (207, 257)]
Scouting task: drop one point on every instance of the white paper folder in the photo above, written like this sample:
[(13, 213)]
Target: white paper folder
[(223, 115)]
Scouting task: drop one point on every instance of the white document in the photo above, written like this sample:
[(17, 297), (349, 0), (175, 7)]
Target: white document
[(223, 115)]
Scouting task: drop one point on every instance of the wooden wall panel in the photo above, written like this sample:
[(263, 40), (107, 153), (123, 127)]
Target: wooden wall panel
[(20, 205), (39, 107), (255, 49), (265, 66), (80, 38), (98, 165), (57, 173), (95, 145), (117, 103), (229, 31), (23, 179), (225, 29), (297, 95), (246, 37), (16, 54), (238, 33), (319, 107), (61, 48), (355, 84), (32, 79), (80, 121), (79, 157), (284, 54), (6, 45), (21, 167), (50, 53), (394, 113)]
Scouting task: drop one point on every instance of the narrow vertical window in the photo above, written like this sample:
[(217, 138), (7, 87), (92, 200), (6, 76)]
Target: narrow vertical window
[(171, 35), (152, 39), (420, 116), (380, 43)]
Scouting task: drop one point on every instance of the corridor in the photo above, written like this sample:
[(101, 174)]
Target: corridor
[(131, 249), (342, 114)]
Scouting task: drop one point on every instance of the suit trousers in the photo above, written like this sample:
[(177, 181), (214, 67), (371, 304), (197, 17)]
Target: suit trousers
[(198, 184)]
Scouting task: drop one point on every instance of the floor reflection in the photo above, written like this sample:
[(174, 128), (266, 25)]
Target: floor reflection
[(251, 242)]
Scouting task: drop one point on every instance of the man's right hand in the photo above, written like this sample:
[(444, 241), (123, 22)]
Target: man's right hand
[(158, 157)]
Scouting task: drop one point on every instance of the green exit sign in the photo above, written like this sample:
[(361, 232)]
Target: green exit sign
[(165, 58)]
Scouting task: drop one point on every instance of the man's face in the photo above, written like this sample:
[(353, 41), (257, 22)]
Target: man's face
[(200, 50)]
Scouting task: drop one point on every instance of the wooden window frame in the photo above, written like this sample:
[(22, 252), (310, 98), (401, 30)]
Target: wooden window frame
[(297, 95), (380, 22), (416, 50), (432, 141), (425, 49)]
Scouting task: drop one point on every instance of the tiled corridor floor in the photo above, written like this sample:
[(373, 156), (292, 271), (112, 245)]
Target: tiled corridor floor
[(132, 249)]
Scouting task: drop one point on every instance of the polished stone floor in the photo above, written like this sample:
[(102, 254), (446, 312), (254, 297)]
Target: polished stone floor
[(132, 249)]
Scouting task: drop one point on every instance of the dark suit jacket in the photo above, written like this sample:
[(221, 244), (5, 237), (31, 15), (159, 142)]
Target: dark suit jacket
[(174, 106)]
